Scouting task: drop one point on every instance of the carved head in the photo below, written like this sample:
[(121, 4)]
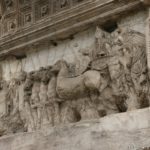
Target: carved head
[(22, 76), (58, 65), (29, 81), (49, 73), (45, 76), (37, 76), (30, 75)]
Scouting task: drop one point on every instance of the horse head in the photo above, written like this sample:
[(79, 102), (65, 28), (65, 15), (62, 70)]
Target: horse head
[(58, 66)]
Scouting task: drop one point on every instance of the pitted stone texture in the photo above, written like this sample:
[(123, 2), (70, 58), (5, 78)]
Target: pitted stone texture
[(135, 21), (116, 132)]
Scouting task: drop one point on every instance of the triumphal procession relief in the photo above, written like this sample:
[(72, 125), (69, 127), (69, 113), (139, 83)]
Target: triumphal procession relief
[(75, 72), (115, 80)]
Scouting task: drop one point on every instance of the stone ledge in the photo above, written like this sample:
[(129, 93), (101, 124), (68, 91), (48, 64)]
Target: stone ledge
[(115, 132), (66, 23)]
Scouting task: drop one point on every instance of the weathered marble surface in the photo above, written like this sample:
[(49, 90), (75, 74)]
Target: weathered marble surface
[(127, 131), (46, 54), (111, 77)]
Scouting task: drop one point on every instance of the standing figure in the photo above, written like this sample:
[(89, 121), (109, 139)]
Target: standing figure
[(13, 97), (27, 101), (53, 107), (35, 100), (43, 96), (20, 95)]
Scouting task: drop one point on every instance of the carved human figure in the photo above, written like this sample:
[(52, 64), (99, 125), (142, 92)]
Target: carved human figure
[(133, 62), (20, 94), (123, 61), (35, 100), (55, 102), (43, 96), (27, 102), (13, 96)]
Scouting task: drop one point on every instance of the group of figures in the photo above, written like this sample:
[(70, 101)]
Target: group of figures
[(115, 80)]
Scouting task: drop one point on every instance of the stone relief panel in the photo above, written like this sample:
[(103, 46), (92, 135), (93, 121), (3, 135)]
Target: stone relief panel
[(47, 54), (112, 78)]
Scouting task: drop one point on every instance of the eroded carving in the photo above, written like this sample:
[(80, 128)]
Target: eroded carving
[(116, 80)]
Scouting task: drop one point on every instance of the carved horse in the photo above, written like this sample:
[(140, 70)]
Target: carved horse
[(79, 86)]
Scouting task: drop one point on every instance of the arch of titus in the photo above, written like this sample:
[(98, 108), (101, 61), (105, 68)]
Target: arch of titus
[(74, 74)]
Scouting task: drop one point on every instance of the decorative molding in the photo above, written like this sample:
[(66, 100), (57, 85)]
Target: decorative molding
[(49, 23)]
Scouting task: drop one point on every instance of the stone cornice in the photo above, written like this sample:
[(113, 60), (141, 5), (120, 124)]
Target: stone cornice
[(66, 23)]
